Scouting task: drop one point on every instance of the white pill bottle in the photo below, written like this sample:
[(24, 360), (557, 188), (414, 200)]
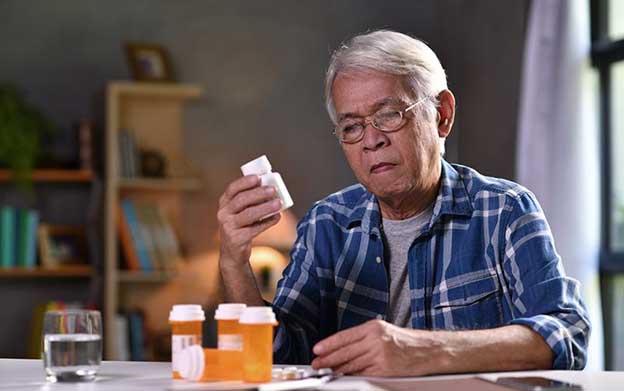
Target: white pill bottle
[(262, 167)]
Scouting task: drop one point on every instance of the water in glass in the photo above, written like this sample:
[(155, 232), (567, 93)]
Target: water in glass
[(72, 345)]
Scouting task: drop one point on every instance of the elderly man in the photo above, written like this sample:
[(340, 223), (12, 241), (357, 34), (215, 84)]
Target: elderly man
[(423, 267)]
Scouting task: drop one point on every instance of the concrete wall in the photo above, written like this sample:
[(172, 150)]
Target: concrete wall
[(262, 64)]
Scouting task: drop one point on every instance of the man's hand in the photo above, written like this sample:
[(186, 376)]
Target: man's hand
[(241, 209), (378, 348)]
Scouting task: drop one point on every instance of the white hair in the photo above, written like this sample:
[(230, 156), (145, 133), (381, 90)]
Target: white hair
[(392, 53)]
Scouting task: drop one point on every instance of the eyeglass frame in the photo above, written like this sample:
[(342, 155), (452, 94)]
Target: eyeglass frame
[(375, 125)]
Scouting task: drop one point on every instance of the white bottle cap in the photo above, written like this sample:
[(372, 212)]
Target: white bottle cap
[(190, 362), (257, 315), (229, 311), (186, 313), (257, 166)]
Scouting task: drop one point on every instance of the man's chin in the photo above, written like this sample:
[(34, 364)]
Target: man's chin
[(387, 189)]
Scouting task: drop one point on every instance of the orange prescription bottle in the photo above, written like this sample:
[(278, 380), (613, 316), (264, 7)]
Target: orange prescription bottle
[(257, 324), (186, 330), (199, 364), (229, 334)]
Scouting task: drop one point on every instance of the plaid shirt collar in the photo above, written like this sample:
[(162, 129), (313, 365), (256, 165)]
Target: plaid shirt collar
[(452, 199)]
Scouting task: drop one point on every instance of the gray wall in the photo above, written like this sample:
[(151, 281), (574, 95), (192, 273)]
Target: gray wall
[(261, 64)]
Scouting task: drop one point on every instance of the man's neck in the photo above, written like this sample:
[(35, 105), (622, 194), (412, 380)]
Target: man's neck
[(412, 203)]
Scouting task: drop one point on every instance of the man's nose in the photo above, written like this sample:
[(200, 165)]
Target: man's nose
[(373, 138)]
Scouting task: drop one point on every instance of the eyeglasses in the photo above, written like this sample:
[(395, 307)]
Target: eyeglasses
[(351, 130)]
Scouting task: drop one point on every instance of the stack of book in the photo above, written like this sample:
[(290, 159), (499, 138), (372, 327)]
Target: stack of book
[(18, 237), (128, 155), (147, 239)]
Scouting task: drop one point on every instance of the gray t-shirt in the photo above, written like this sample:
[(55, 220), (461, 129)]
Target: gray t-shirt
[(398, 237)]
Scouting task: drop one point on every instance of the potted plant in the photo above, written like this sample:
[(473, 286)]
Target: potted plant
[(21, 128)]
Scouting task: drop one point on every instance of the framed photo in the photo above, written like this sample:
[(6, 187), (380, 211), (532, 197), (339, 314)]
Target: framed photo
[(148, 62), (61, 245)]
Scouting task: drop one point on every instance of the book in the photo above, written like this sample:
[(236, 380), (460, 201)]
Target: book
[(129, 250), (133, 155), (128, 154), (149, 234), (31, 244), (21, 237), (147, 264), (137, 336), (156, 237), (122, 344), (27, 222), (166, 238), (124, 154), (121, 153), (7, 237)]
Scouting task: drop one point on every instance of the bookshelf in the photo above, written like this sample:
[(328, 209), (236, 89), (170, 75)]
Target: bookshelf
[(172, 184), (62, 197), (153, 113), (73, 271), (130, 277), (53, 175)]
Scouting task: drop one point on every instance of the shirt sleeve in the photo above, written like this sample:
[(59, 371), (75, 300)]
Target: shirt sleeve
[(543, 297), (296, 301)]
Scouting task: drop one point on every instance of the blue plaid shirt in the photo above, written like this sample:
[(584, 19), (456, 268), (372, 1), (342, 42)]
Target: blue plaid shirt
[(486, 259)]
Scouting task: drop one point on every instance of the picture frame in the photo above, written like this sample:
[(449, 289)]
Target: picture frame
[(61, 245), (148, 62)]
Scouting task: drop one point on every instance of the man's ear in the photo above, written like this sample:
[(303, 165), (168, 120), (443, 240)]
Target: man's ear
[(446, 113)]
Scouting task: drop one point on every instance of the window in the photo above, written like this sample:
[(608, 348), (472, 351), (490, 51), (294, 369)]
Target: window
[(607, 29), (616, 22)]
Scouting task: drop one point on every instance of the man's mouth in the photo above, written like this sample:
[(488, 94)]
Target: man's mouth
[(381, 167)]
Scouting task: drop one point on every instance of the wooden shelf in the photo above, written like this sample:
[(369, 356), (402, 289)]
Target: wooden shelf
[(152, 90), (160, 184), (126, 276), (53, 175), (73, 271), (154, 113)]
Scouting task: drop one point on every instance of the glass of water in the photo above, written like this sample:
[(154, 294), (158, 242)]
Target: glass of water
[(72, 345)]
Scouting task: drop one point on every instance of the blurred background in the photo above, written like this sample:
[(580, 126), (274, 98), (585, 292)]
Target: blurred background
[(121, 123)]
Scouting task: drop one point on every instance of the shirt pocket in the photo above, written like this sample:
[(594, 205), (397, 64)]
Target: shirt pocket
[(469, 302)]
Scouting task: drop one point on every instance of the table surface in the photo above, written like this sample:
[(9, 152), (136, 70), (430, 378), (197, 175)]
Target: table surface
[(20, 375)]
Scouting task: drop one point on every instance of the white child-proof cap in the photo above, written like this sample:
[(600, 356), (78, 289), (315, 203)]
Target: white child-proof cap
[(229, 311), (186, 313), (257, 166), (190, 363), (257, 315)]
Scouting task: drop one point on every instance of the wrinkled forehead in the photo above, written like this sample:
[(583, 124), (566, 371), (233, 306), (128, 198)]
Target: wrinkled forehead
[(360, 91)]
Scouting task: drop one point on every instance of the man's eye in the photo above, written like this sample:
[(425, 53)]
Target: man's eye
[(388, 115), (350, 128)]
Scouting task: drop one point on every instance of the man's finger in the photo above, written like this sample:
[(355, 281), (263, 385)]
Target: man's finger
[(341, 357), (244, 183), (257, 213), (340, 339), (251, 197), (254, 230)]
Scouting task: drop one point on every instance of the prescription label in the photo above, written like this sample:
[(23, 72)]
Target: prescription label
[(179, 343)]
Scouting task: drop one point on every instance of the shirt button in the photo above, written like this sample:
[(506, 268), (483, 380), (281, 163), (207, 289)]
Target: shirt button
[(378, 260), (380, 317)]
